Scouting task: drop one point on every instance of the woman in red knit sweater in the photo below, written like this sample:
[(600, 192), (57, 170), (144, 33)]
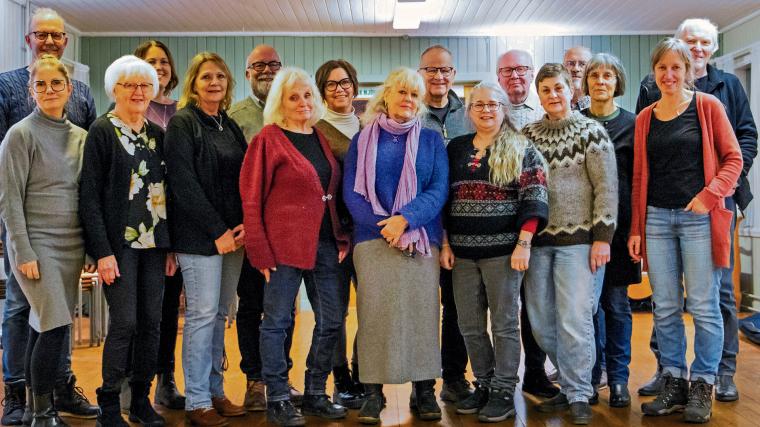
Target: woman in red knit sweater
[(686, 161), (288, 184)]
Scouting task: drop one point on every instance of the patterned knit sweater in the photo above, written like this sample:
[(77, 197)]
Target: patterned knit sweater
[(583, 193), (483, 220)]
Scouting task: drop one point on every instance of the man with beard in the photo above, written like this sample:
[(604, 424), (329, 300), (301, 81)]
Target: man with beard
[(575, 61), (260, 68), (46, 36)]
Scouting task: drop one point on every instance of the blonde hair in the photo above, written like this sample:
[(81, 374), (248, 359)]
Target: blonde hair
[(680, 48), (189, 97), (508, 149), (285, 79), (400, 77), (48, 60)]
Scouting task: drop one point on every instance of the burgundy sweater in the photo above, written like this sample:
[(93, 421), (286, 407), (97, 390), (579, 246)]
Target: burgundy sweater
[(283, 202)]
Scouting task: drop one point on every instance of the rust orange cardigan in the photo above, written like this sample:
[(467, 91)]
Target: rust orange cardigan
[(722, 166)]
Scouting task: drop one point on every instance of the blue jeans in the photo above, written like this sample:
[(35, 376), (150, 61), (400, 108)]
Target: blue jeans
[(617, 324), (326, 294), (210, 284), (599, 327), (727, 364), (679, 242), (559, 291)]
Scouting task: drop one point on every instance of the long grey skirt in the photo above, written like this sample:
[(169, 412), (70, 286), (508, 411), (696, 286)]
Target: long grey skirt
[(398, 307)]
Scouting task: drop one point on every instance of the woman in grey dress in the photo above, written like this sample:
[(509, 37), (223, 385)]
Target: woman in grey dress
[(40, 162)]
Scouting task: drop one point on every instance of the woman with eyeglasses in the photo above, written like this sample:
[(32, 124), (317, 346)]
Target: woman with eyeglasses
[(40, 162), (123, 209), (497, 201), (338, 85)]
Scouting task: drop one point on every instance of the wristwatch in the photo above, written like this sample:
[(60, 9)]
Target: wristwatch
[(523, 243)]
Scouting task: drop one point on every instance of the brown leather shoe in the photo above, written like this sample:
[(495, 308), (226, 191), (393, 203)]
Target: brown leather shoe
[(255, 396), (205, 417), (227, 408)]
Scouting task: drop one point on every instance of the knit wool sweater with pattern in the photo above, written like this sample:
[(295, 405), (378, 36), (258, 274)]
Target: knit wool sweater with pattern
[(582, 181)]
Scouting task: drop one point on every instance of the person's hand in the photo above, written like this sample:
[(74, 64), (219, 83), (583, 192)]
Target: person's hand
[(108, 269), (342, 254), (520, 258), (171, 264), (634, 248), (267, 272), (30, 269), (600, 255), (446, 257), (696, 206), (393, 228), (226, 243), (239, 233), (90, 268)]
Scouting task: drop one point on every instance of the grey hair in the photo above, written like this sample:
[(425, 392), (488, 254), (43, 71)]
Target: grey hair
[(608, 61), (129, 66), (285, 79), (699, 25), (44, 12)]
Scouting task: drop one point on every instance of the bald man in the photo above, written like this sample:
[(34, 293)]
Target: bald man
[(575, 61), (262, 65), (515, 73), (47, 35)]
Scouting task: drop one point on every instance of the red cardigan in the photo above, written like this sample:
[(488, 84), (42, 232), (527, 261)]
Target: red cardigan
[(283, 202), (722, 166)]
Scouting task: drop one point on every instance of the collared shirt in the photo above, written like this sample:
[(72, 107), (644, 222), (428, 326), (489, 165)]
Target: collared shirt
[(582, 103), (527, 112)]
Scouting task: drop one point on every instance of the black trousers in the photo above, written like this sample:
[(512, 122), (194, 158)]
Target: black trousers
[(169, 323), (453, 349), (42, 362)]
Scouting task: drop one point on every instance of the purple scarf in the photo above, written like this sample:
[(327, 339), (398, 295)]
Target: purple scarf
[(407, 183)]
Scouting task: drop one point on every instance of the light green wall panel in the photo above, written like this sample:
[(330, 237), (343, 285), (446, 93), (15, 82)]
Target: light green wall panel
[(742, 36), (373, 57)]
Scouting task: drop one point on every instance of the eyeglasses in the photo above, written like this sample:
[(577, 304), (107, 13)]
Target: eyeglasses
[(133, 86), (332, 85), (43, 35), (480, 107), (41, 86), (521, 70), (572, 64), (260, 66), (431, 71)]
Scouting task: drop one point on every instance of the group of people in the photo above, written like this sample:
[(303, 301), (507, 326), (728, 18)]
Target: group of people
[(529, 209)]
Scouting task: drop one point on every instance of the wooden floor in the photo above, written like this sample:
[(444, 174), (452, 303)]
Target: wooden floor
[(745, 412)]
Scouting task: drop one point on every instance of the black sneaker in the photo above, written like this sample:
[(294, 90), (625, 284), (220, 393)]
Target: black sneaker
[(372, 406), (70, 401), (319, 405), (455, 391), (477, 400), (580, 413), (13, 404), (674, 396), (422, 401), (699, 407), (538, 384), (500, 406), (556, 403), (283, 413)]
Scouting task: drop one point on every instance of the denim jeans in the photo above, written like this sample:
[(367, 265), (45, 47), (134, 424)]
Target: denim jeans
[(599, 326), (678, 242), (348, 274), (453, 349), (210, 283), (559, 288), (481, 286), (617, 322), (323, 287)]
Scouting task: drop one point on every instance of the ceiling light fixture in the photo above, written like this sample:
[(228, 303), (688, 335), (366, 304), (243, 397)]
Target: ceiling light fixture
[(407, 14)]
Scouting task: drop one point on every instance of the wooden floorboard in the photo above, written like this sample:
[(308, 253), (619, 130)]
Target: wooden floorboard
[(744, 413)]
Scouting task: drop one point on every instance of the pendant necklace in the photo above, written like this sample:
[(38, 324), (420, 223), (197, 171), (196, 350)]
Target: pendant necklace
[(218, 122), (163, 116)]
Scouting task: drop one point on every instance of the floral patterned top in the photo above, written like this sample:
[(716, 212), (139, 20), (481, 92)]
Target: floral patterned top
[(146, 221)]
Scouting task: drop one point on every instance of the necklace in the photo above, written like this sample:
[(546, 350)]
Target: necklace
[(163, 116), (396, 138), (218, 122)]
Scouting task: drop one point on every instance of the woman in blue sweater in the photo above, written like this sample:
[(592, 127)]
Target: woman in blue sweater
[(395, 185)]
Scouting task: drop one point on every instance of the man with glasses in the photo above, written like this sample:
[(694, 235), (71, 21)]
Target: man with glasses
[(446, 115), (46, 36), (575, 61), (262, 65)]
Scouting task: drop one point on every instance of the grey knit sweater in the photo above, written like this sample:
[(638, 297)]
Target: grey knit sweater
[(583, 194)]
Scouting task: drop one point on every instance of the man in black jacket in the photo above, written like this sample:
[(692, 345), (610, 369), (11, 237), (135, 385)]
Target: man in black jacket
[(701, 36)]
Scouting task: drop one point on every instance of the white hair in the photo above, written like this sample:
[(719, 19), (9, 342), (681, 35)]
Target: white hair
[(44, 13), (285, 79), (129, 66), (699, 25)]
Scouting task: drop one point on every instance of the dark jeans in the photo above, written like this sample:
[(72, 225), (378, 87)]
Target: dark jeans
[(615, 312), (134, 307), (169, 323), (535, 358), (16, 330), (453, 348), (348, 272), (250, 290), (727, 364), (323, 287), (41, 349)]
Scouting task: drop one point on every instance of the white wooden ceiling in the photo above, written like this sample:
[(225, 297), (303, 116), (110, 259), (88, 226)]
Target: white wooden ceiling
[(374, 17)]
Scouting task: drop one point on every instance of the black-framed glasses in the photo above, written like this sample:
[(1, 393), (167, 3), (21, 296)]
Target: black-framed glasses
[(521, 70), (133, 86), (332, 85), (572, 64), (479, 107), (41, 86), (43, 35), (431, 71), (261, 66)]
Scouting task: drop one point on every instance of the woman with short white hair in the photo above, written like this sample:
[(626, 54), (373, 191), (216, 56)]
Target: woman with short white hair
[(288, 184), (395, 186), (122, 205)]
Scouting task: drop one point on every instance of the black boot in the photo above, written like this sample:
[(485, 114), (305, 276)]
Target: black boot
[(374, 403), (422, 401), (345, 392), (110, 411), (13, 404), (167, 394), (44, 413), (29, 409), (140, 409), (71, 402)]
